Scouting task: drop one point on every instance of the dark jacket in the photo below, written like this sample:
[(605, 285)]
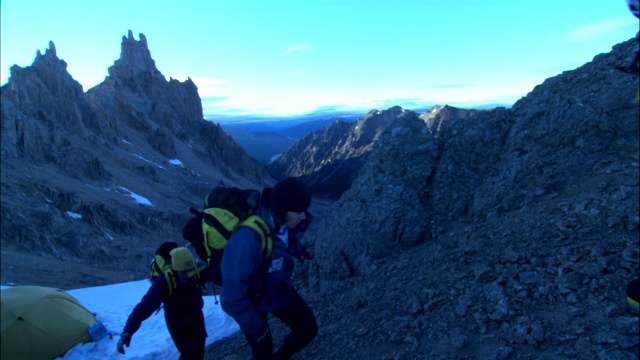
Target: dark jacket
[(252, 285), (182, 310)]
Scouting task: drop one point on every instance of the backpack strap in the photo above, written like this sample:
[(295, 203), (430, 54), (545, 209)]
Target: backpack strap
[(171, 281), (256, 223), (156, 267)]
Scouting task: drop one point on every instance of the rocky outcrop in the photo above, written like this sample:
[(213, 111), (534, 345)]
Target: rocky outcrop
[(88, 178), (327, 160), (498, 234), (43, 110), (506, 233)]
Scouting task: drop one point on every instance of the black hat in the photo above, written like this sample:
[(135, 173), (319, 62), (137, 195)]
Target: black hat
[(289, 195)]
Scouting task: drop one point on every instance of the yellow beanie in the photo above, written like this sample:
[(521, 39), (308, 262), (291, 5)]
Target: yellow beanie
[(181, 259)]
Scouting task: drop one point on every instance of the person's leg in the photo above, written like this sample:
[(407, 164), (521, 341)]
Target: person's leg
[(261, 350), (189, 346), (300, 319), (199, 336)]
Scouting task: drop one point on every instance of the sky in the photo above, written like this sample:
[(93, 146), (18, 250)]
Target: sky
[(112, 305), (293, 57)]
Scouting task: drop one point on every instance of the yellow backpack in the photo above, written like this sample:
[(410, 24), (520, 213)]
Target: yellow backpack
[(162, 260), (225, 210)]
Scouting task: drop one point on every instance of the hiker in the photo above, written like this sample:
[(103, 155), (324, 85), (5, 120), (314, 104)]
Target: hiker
[(182, 307), (253, 286)]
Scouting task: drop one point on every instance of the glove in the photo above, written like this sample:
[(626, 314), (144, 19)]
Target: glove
[(303, 254), (125, 339)]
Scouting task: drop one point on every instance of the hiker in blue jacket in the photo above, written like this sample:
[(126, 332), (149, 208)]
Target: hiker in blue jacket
[(182, 307), (253, 286)]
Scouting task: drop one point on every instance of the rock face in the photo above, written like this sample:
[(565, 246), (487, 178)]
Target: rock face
[(507, 233), (73, 164), (327, 160)]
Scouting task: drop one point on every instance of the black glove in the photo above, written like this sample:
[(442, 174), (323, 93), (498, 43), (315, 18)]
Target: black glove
[(303, 254), (125, 339)]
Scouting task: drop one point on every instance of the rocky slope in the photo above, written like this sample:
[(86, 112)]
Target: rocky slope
[(327, 160), (507, 233), (94, 182)]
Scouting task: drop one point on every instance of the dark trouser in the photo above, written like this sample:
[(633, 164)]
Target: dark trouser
[(189, 338), (300, 319)]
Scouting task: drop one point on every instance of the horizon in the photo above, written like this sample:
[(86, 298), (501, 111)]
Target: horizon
[(286, 59)]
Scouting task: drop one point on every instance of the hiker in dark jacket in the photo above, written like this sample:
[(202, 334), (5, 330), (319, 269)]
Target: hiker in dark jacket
[(253, 286), (182, 307)]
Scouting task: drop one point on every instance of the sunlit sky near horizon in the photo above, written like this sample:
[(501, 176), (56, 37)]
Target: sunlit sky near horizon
[(291, 57)]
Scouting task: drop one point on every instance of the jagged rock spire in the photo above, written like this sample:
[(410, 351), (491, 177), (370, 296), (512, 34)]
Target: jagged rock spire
[(49, 53), (135, 59), (52, 48)]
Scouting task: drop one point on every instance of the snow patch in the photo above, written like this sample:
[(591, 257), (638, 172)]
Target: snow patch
[(139, 199), (150, 162), (74, 215)]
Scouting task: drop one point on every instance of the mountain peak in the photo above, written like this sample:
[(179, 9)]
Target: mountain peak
[(135, 59)]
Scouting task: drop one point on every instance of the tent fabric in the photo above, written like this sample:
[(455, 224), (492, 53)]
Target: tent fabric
[(41, 323)]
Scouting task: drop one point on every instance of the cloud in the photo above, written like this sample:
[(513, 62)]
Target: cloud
[(207, 87), (215, 99), (446, 86), (602, 28), (200, 81), (297, 48)]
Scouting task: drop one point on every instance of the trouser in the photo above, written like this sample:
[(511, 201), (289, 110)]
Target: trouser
[(189, 340), (300, 319)]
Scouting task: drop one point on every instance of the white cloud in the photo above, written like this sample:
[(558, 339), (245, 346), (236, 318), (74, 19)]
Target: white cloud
[(602, 28), (297, 48), (324, 96), (209, 87), (201, 81), (289, 106)]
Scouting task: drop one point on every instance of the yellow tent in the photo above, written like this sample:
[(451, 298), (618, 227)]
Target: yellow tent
[(41, 323)]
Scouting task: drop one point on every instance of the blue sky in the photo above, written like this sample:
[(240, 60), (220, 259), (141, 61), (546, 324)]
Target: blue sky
[(285, 57)]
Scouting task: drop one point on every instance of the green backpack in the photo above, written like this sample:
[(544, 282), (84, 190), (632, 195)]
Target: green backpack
[(172, 281), (225, 210), (162, 260)]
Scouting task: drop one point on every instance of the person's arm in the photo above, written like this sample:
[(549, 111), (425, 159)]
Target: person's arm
[(150, 302), (240, 263)]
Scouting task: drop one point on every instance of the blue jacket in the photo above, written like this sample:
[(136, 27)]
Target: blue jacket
[(252, 285)]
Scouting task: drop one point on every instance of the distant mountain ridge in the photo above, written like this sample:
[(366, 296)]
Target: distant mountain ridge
[(327, 160), (266, 140)]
